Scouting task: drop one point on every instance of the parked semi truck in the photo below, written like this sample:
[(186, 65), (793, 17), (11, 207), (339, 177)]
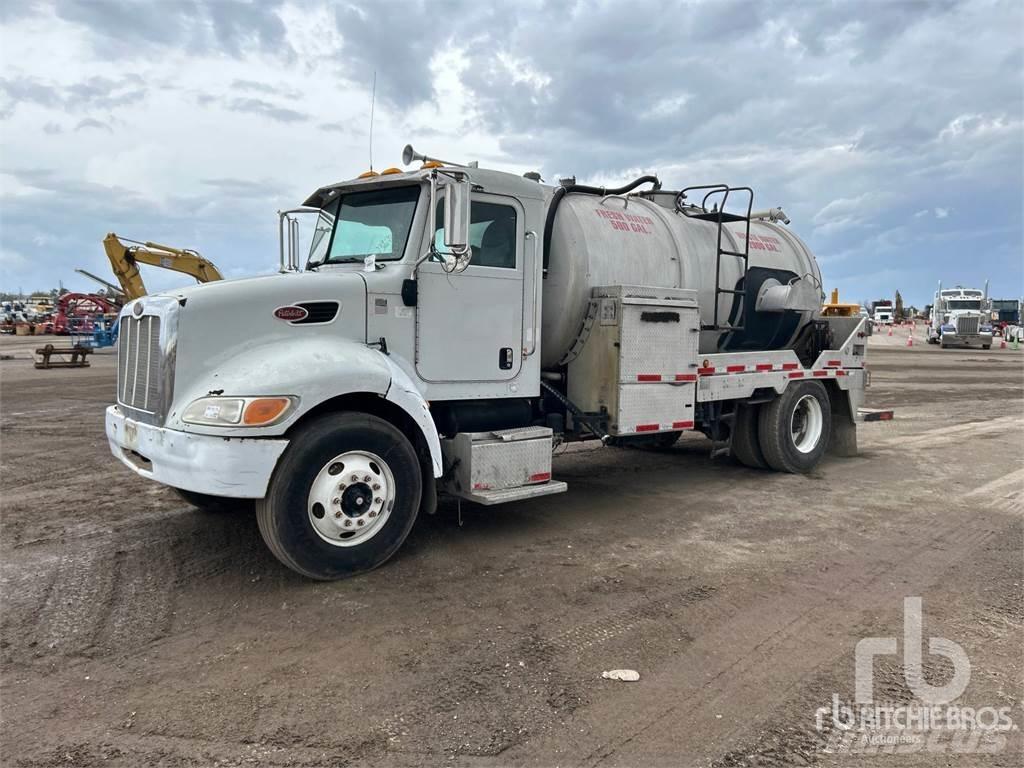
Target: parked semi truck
[(883, 312), (452, 324), (961, 317)]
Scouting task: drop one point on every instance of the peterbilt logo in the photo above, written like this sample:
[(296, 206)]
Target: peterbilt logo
[(290, 314)]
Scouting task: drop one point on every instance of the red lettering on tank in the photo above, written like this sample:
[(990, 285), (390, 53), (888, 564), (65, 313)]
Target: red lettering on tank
[(626, 222)]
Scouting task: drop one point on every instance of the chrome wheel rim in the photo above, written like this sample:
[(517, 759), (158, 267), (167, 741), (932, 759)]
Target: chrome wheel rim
[(351, 498), (806, 423)]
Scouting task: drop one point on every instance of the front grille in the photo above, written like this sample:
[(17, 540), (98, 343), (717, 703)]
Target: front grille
[(967, 324), (319, 312), (138, 363)]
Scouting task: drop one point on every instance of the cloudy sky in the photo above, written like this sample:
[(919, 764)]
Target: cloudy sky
[(891, 132)]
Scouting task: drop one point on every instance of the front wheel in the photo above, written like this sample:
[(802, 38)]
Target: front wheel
[(343, 497), (794, 428)]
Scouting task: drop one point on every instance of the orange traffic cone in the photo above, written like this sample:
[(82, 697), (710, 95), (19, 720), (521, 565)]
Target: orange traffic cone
[(890, 330), (910, 340), (1002, 343)]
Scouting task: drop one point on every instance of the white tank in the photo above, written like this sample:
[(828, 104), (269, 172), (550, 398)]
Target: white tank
[(644, 241)]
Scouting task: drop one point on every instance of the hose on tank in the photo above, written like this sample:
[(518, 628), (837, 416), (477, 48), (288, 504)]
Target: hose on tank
[(583, 189)]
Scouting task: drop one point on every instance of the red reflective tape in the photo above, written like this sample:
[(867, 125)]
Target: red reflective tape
[(682, 425), (646, 427), (735, 368), (481, 487), (834, 364), (840, 373), (540, 477), (796, 375), (789, 366), (885, 416), (686, 377), (764, 366), (648, 377), (819, 374), (705, 371)]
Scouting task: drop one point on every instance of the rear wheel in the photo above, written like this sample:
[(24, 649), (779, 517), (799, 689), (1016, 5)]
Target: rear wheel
[(745, 446), (343, 498), (794, 428), (215, 504)]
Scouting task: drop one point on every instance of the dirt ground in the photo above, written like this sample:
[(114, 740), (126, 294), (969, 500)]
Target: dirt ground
[(138, 631)]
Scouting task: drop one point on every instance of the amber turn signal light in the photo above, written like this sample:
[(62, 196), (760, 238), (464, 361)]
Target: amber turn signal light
[(264, 410)]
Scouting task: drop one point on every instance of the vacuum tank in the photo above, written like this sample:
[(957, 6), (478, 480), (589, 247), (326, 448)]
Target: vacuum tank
[(644, 240)]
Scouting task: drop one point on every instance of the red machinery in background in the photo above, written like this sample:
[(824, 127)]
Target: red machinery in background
[(77, 312)]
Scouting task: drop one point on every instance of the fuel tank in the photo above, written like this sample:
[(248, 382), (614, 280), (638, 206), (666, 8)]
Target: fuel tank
[(644, 240)]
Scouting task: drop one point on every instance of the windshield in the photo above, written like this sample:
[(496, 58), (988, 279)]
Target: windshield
[(963, 304), (360, 224)]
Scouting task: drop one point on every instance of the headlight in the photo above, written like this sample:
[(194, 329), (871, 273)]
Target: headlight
[(986, 329), (237, 411)]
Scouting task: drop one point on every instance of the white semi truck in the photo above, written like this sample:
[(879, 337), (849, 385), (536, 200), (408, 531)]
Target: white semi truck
[(451, 324), (961, 317)]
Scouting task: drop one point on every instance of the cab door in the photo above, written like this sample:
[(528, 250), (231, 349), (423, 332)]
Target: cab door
[(469, 325)]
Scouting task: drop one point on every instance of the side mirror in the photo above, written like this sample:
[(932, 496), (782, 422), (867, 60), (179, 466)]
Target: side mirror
[(456, 216)]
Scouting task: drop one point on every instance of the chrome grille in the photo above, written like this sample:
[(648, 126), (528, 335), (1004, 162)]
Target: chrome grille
[(967, 324), (138, 363)]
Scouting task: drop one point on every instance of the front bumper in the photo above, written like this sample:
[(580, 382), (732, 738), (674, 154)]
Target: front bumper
[(235, 467), (966, 338)]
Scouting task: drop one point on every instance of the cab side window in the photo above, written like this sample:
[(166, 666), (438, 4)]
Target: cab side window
[(492, 234)]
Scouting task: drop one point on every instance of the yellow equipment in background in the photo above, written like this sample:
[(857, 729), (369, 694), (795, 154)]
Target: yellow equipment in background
[(836, 309), (124, 260)]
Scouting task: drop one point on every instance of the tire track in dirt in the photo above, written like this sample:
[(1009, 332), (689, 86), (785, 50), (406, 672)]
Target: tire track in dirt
[(769, 640), (495, 696)]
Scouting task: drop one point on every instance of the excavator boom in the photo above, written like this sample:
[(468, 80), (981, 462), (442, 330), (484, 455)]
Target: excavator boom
[(124, 261)]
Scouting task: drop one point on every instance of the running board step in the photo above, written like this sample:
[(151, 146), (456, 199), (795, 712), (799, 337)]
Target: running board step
[(514, 494)]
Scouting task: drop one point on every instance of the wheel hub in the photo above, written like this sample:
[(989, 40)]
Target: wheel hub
[(356, 499), (351, 498)]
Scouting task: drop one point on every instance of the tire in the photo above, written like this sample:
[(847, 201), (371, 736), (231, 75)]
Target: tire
[(986, 346), (215, 504), (363, 476), (795, 428), (745, 447)]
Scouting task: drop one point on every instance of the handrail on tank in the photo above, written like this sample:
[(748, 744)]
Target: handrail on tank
[(721, 216)]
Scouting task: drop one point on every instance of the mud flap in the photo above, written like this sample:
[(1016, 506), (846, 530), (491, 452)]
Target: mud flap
[(844, 425)]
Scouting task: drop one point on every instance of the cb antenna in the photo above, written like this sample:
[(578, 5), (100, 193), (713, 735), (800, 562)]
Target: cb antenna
[(373, 100)]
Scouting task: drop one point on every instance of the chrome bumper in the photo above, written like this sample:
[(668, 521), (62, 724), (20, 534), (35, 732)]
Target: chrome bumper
[(218, 466)]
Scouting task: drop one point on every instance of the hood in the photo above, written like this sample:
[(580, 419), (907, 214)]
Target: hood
[(226, 319)]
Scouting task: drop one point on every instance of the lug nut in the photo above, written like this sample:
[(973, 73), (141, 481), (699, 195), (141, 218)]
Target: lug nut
[(376, 486), (338, 513), (342, 486), (348, 523), (373, 514), (378, 500), (335, 501), (355, 478), (360, 522), (367, 478)]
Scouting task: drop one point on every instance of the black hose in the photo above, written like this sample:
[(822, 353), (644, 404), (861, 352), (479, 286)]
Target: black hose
[(583, 189)]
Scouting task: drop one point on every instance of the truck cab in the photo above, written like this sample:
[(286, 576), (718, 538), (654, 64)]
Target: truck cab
[(961, 317)]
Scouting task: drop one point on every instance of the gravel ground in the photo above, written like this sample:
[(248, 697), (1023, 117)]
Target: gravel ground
[(138, 631)]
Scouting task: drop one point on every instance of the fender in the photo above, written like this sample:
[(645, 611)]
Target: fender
[(313, 369)]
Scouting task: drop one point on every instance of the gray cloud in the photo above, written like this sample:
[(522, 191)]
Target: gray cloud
[(90, 122), (265, 108), (88, 94), (225, 26)]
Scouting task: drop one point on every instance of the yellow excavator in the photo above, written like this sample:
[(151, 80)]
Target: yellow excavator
[(124, 260), (836, 308)]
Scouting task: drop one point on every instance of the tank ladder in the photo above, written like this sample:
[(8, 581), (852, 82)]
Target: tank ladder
[(718, 215)]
